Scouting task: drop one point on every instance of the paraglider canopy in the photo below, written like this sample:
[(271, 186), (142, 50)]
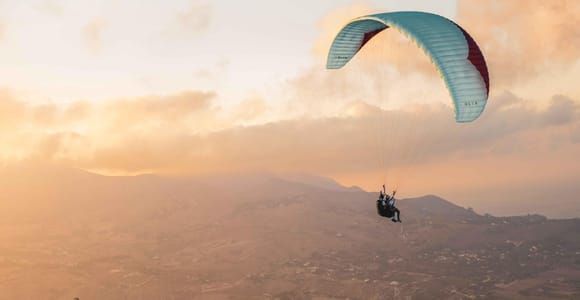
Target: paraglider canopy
[(452, 50)]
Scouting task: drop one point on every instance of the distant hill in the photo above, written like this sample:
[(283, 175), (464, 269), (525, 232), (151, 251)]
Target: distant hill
[(68, 233), (320, 182), (433, 206)]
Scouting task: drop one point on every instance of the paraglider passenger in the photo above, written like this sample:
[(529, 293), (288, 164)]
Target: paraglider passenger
[(386, 206)]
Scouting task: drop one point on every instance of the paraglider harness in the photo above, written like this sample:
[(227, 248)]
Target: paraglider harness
[(386, 206)]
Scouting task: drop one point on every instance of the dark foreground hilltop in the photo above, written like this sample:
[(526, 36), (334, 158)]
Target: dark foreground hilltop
[(67, 234)]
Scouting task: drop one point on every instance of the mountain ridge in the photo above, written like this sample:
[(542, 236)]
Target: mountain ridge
[(66, 234)]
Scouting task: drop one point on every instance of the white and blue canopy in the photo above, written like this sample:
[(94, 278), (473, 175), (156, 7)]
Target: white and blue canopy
[(452, 50)]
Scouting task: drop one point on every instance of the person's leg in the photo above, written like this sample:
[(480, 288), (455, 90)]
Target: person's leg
[(398, 213)]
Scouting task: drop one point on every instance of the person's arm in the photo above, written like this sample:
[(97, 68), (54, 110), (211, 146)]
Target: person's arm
[(393, 197)]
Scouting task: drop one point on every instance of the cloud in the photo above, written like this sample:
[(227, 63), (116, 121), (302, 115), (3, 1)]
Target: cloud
[(12, 111), (92, 34), (51, 7), (521, 40), (562, 110), (187, 132), (217, 72), (30, 130), (359, 109), (2, 30), (45, 114), (196, 19), (146, 109), (320, 92), (420, 147), (250, 109)]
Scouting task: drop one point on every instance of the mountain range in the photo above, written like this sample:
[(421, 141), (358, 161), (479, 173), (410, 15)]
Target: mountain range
[(68, 234)]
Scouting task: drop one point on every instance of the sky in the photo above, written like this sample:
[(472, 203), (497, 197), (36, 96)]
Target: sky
[(96, 50), (198, 87)]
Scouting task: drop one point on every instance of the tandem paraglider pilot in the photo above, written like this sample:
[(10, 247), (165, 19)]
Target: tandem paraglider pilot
[(386, 206)]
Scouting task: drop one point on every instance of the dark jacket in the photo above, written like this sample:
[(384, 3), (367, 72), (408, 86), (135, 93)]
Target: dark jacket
[(384, 210)]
